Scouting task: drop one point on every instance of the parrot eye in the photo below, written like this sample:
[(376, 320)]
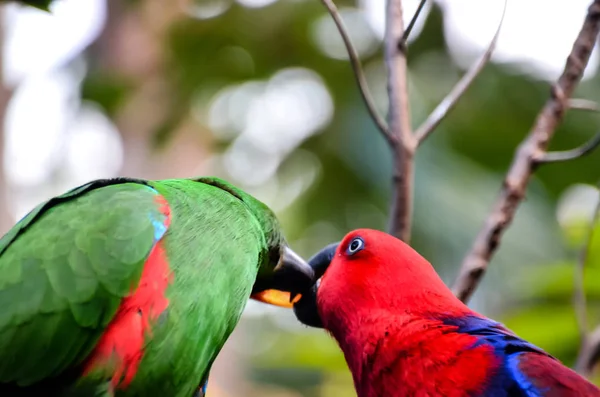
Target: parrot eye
[(355, 245)]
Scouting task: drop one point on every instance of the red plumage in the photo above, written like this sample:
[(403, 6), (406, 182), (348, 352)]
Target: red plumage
[(120, 349), (121, 346), (404, 333), (548, 374)]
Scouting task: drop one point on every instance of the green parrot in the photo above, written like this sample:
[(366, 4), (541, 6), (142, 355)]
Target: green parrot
[(126, 287)]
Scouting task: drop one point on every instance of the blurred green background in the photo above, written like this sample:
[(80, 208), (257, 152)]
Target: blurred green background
[(260, 92)]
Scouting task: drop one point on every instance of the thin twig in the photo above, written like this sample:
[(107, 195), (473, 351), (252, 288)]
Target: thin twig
[(579, 299), (411, 24), (448, 103), (583, 150), (523, 165), (399, 122), (566, 155), (358, 72), (583, 104), (589, 353)]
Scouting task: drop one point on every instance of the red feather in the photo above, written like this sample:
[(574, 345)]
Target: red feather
[(559, 381), (121, 346), (404, 333), (165, 209)]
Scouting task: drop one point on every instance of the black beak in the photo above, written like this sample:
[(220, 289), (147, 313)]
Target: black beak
[(305, 309), (292, 277)]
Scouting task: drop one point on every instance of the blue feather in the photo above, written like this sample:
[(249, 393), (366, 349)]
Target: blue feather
[(509, 380), (159, 227), (157, 219)]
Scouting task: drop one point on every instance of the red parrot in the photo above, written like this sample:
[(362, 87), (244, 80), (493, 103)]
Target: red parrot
[(404, 333)]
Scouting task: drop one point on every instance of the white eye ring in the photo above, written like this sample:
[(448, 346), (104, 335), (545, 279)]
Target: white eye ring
[(357, 244)]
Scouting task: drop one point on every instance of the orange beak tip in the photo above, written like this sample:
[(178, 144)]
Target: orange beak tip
[(277, 298)]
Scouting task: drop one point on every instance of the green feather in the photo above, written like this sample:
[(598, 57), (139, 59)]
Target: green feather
[(60, 282), (66, 266)]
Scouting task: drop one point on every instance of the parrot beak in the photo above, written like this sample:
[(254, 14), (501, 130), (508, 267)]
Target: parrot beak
[(305, 309), (291, 277)]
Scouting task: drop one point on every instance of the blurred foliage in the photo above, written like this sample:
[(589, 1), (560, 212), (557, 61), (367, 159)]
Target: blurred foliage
[(41, 4), (544, 312), (107, 90), (459, 169)]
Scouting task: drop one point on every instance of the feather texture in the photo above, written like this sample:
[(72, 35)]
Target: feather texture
[(525, 369), (127, 287), (404, 333)]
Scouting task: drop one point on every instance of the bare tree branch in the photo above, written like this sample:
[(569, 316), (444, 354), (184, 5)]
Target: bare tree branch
[(411, 25), (581, 151), (444, 107), (583, 104), (399, 123), (589, 354), (358, 72), (530, 150), (579, 300), (566, 155)]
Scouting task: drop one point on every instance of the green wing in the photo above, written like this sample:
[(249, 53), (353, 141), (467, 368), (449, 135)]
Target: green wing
[(64, 269)]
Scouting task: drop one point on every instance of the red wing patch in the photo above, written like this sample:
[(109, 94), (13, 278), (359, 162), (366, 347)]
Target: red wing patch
[(553, 378), (165, 209), (121, 347)]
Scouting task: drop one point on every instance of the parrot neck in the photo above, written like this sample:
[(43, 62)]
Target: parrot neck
[(387, 312), (391, 351), (365, 314), (392, 330)]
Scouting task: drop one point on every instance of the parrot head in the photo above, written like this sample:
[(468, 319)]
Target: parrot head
[(368, 272), (282, 274)]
